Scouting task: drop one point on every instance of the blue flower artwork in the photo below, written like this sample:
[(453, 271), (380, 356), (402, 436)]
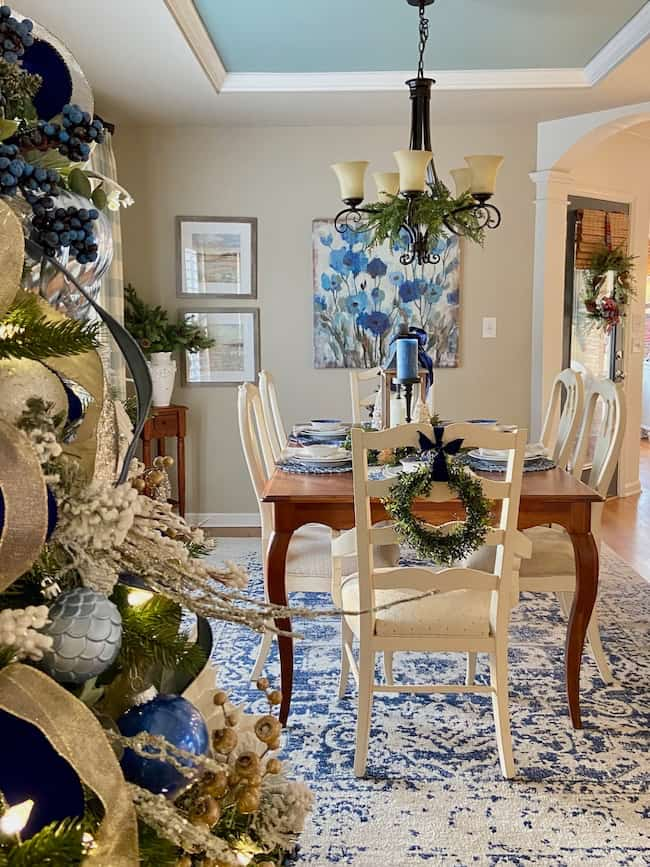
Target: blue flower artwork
[(362, 295)]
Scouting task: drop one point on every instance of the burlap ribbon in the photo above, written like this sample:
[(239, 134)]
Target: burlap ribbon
[(12, 255), (24, 505), (77, 737)]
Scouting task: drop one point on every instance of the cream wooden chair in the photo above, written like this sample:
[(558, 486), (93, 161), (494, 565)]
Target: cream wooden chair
[(274, 424), (361, 404), (470, 610), (563, 416), (551, 568), (309, 559)]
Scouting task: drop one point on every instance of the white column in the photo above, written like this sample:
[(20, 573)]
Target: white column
[(548, 287)]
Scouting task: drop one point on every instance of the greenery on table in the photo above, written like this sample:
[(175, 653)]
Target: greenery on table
[(18, 89), (149, 324), (433, 543), (385, 219)]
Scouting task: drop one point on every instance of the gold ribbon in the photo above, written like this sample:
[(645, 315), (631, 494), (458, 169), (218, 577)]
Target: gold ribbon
[(12, 255), (25, 505), (77, 737)]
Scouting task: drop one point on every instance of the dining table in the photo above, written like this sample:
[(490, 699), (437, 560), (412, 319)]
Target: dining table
[(551, 497)]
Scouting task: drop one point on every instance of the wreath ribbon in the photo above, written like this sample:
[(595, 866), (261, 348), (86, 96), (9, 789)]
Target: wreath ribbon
[(437, 452), (76, 735)]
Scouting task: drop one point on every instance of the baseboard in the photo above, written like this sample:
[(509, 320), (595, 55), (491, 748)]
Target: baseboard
[(631, 489), (223, 519)]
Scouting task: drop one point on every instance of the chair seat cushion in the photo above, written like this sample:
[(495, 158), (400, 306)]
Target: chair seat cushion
[(310, 554), (552, 555), (454, 613)]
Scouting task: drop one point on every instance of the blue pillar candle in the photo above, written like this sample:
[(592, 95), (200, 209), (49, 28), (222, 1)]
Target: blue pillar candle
[(407, 358)]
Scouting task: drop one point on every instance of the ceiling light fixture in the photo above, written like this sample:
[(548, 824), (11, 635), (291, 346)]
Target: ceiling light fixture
[(414, 209)]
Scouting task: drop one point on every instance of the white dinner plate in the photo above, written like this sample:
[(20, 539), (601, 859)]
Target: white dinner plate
[(311, 460), (324, 434), (478, 456)]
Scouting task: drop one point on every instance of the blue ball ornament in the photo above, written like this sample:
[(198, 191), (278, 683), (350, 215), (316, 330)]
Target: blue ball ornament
[(180, 723), (31, 769), (86, 628)]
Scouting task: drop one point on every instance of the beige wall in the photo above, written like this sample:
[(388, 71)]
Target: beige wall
[(282, 177)]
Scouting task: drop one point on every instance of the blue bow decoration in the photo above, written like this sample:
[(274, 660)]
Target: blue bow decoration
[(424, 359), (437, 453)]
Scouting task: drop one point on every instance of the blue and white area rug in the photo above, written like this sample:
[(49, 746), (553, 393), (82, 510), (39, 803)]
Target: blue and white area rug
[(433, 793)]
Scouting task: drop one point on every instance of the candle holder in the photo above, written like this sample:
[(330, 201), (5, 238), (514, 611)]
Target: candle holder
[(408, 394)]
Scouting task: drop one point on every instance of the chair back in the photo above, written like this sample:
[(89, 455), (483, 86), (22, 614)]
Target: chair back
[(256, 446), (424, 578), (603, 427), (563, 416), (274, 424), (361, 403)]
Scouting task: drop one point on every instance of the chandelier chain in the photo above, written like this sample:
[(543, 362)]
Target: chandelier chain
[(424, 36)]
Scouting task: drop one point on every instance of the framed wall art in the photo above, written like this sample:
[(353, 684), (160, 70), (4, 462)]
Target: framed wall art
[(217, 257), (361, 296), (235, 356)]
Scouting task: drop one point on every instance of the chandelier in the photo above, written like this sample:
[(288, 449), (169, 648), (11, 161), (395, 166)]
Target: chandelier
[(414, 209)]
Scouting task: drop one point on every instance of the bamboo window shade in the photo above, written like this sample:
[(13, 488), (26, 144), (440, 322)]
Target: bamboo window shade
[(596, 229)]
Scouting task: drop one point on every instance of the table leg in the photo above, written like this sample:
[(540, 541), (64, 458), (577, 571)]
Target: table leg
[(584, 599), (180, 474), (146, 452), (276, 561), (161, 447)]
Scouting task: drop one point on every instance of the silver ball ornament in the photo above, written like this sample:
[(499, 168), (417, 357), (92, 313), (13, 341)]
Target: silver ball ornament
[(86, 628)]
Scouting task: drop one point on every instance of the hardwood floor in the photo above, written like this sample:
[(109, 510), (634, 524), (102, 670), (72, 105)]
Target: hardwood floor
[(626, 521)]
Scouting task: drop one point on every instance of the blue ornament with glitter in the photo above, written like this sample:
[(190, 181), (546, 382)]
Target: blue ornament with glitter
[(180, 723), (86, 629)]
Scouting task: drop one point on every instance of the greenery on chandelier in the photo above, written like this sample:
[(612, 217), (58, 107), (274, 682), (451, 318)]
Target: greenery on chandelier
[(431, 211), (26, 332), (444, 547), (149, 324)]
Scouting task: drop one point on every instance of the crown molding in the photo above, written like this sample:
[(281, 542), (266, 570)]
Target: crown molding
[(340, 82), (620, 46), (191, 25), (630, 37)]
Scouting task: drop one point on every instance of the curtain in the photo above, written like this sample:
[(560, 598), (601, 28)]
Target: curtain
[(597, 228), (111, 293)]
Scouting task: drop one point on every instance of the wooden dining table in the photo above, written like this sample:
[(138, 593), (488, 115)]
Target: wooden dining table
[(550, 497)]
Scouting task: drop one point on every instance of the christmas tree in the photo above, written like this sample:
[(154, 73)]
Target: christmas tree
[(117, 747)]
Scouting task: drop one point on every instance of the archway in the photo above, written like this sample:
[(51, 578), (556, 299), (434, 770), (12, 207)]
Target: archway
[(564, 146)]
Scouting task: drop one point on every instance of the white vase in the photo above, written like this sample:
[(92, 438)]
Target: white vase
[(163, 372)]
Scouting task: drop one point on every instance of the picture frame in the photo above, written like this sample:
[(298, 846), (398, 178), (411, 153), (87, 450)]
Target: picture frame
[(235, 357), (216, 257)]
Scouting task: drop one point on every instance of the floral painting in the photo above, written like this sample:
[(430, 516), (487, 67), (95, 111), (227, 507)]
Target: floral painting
[(361, 296)]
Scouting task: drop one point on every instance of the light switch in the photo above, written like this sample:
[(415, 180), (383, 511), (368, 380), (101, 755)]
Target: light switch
[(489, 326)]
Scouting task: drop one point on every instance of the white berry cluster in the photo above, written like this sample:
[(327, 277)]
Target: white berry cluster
[(18, 629), (98, 516), (45, 444)]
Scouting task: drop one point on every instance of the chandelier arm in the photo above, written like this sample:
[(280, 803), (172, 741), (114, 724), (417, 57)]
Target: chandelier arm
[(350, 219)]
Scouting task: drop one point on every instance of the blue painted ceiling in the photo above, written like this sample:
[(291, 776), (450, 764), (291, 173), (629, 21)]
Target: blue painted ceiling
[(362, 35)]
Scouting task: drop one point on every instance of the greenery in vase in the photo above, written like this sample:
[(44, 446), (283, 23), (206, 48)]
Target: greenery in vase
[(149, 324)]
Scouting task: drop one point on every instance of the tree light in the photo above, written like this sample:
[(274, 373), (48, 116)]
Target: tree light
[(138, 596), (15, 818)]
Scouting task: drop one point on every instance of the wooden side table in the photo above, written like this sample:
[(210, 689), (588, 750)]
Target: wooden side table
[(167, 421)]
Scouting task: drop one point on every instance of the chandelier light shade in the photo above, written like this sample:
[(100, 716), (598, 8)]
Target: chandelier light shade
[(387, 184), (414, 208), (412, 167), (351, 177), (483, 170)]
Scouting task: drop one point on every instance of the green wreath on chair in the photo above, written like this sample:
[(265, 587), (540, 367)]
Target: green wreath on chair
[(432, 543)]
